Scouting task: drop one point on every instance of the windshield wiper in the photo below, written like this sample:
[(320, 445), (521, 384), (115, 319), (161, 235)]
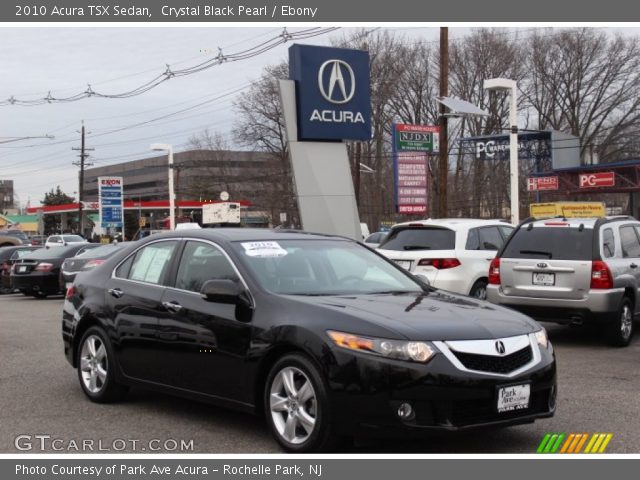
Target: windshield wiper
[(392, 292), (537, 252), (416, 247)]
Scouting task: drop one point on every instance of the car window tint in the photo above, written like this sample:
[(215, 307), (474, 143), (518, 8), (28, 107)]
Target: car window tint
[(473, 241), (420, 238), (201, 262), (490, 238), (608, 243), (151, 262), (629, 242), (559, 243)]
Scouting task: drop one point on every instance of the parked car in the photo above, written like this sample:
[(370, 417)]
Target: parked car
[(9, 240), (576, 270), (38, 239), (19, 234), (8, 256), (374, 239), (324, 336), (37, 273), (63, 240), (452, 254), (87, 260)]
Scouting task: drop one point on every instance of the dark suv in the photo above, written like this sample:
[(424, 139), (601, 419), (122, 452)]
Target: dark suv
[(573, 271)]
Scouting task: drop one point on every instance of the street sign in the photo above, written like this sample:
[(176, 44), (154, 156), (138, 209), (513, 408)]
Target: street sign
[(600, 179), (416, 138), (110, 202), (535, 184)]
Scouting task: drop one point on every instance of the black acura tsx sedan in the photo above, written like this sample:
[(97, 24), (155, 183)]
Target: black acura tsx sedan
[(323, 336)]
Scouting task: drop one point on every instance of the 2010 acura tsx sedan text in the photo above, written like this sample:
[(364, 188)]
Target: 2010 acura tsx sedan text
[(323, 336)]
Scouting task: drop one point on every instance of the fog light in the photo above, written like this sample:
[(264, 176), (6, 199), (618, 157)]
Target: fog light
[(405, 411), (553, 395)]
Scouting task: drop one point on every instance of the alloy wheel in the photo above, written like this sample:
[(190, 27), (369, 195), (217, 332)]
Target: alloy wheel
[(626, 322), (293, 405), (93, 364)]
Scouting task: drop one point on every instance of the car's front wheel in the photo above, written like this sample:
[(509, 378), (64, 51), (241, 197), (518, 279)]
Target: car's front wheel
[(96, 368), (621, 327), (297, 406)]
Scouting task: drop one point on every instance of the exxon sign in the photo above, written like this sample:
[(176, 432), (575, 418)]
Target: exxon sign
[(332, 92)]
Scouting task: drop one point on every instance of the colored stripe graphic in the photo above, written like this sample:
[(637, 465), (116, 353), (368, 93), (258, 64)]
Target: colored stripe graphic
[(574, 443)]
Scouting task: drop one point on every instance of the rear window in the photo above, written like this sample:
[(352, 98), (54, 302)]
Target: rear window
[(557, 243), (57, 252), (101, 251), (420, 238)]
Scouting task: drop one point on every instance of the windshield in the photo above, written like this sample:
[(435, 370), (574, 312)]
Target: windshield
[(420, 238), (322, 267), (72, 238), (551, 243)]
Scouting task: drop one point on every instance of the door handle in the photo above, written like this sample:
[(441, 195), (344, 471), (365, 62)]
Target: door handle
[(489, 259), (172, 306), (633, 265), (115, 292)]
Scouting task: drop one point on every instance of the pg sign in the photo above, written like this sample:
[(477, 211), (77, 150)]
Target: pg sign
[(332, 92), (593, 180)]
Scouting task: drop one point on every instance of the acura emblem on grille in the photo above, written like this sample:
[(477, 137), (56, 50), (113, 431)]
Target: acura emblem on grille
[(500, 347), (542, 265)]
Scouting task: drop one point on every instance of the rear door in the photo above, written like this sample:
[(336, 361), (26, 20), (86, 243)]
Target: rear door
[(481, 246), (551, 260)]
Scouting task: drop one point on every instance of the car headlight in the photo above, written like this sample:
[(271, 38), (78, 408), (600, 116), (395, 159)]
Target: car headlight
[(542, 338), (398, 349)]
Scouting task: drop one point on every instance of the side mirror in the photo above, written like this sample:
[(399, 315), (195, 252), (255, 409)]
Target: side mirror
[(221, 291)]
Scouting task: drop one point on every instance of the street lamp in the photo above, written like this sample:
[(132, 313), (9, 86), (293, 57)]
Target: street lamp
[(505, 84), (165, 147)]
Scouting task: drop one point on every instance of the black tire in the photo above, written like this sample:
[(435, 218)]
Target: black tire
[(108, 390), (620, 329), (39, 295), (479, 290), (25, 293), (322, 437)]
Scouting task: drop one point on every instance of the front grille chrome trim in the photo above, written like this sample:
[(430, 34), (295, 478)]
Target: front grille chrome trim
[(521, 340)]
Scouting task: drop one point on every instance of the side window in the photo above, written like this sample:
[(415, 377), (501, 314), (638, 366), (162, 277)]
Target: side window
[(506, 231), (629, 242), (201, 262), (490, 238), (54, 240), (473, 240), (150, 263), (608, 243), (123, 270)]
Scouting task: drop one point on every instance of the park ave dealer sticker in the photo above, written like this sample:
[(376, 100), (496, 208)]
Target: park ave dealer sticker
[(263, 249)]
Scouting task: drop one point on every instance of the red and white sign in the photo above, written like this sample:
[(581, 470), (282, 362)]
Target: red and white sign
[(601, 179), (542, 183)]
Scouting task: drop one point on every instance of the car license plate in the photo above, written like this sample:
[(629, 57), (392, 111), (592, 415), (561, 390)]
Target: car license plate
[(513, 397), (546, 279), (22, 269), (406, 264)]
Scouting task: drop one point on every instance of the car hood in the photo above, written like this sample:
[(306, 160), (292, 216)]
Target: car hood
[(436, 315)]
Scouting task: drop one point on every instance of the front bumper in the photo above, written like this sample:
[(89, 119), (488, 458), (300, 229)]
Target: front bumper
[(596, 305), (37, 282), (366, 392)]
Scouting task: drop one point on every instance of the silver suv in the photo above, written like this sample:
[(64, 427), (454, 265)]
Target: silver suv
[(572, 271)]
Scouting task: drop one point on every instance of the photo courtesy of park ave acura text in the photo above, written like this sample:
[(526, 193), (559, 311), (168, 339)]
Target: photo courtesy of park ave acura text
[(271, 239)]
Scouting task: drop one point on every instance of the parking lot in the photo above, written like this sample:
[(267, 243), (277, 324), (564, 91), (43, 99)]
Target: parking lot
[(40, 395)]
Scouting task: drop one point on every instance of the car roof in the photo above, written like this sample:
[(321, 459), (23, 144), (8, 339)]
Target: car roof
[(245, 235), (588, 222), (453, 223)]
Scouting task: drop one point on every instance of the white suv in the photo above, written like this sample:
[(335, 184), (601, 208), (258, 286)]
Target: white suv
[(63, 240), (452, 253)]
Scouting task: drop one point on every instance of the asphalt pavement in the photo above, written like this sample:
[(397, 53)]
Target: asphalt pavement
[(42, 408)]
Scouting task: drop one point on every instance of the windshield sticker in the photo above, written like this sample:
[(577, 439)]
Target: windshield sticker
[(263, 249)]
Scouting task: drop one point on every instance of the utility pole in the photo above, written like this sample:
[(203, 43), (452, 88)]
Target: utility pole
[(443, 163), (82, 164)]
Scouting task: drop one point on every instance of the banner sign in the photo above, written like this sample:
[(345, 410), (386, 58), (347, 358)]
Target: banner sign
[(535, 184), (601, 179), (410, 170), (332, 92), (417, 138), (110, 201)]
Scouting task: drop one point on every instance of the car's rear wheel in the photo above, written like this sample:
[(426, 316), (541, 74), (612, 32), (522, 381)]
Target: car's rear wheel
[(621, 327), (39, 295), (96, 367), (479, 290), (297, 406)]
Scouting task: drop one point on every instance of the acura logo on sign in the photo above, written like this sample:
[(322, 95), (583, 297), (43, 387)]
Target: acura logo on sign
[(334, 89), (542, 265), (500, 347)]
